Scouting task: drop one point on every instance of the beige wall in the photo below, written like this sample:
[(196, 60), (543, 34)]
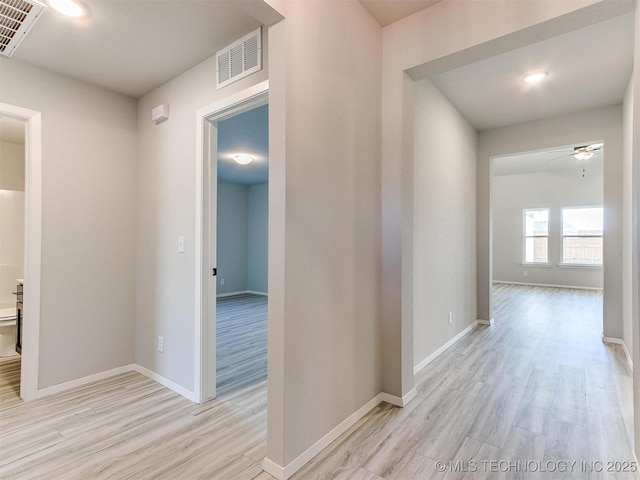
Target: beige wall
[(327, 156), (444, 221), (165, 206), (11, 166), (88, 221)]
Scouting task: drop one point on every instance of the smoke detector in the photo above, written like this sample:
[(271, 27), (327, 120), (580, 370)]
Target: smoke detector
[(17, 17)]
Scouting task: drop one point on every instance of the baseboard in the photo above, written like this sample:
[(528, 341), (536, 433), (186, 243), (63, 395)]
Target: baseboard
[(180, 390), (619, 341), (485, 322), (439, 351), (548, 285), (284, 473), (399, 401), (80, 382), (241, 292)]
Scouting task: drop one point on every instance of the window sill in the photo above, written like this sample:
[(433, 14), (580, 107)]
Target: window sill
[(577, 265), (525, 264)]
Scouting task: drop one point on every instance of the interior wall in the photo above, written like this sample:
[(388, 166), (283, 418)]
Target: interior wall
[(553, 190), (258, 238), (328, 83), (627, 218), (88, 221), (232, 237), (165, 301), (444, 221), (603, 124), (11, 166)]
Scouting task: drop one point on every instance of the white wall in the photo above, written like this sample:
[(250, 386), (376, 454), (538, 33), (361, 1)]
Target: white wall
[(444, 221), (88, 221), (258, 237), (600, 124), (165, 207), (232, 240), (324, 178), (554, 190)]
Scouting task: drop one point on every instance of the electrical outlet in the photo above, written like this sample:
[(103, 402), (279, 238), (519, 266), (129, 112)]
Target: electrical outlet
[(450, 318), (222, 281), (161, 344), (525, 273)]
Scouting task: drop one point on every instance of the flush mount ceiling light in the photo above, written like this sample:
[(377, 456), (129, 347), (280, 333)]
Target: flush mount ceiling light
[(535, 77), (243, 159), (69, 8)]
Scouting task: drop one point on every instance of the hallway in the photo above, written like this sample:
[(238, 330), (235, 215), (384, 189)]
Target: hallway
[(539, 386)]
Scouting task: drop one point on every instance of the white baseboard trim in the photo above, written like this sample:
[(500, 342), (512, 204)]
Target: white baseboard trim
[(619, 341), (241, 292), (180, 390), (439, 351), (80, 382), (572, 287), (133, 367), (284, 473), (399, 401), (485, 322)]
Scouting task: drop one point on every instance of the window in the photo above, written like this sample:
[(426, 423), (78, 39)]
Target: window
[(582, 235), (536, 235)]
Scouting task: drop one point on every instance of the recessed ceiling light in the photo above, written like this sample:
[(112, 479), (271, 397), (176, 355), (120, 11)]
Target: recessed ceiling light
[(243, 159), (535, 77), (68, 7)]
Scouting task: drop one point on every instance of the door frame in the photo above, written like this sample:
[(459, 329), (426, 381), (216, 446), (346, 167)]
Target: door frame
[(32, 247), (205, 235)]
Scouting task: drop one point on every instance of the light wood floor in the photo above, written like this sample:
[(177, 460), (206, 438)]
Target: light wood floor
[(241, 342), (538, 385)]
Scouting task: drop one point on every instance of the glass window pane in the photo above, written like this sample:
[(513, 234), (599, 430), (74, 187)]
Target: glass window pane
[(582, 250), (582, 221), (536, 250), (536, 223)]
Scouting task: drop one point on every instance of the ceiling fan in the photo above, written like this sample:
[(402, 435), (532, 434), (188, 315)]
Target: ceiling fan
[(581, 152)]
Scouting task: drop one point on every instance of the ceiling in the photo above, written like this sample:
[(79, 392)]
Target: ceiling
[(388, 11), (557, 160), (132, 47), (11, 130), (245, 133), (588, 68)]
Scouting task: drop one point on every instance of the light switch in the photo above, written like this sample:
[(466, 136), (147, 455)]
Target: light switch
[(180, 244)]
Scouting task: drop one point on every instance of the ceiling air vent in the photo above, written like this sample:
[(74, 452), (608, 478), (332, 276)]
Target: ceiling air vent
[(16, 19), (239, 59)]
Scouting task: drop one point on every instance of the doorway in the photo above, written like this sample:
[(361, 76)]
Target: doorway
[(30, 308), (242, 250), (210, 121)]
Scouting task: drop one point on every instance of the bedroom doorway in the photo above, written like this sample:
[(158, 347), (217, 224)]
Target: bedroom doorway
[(211, 278)]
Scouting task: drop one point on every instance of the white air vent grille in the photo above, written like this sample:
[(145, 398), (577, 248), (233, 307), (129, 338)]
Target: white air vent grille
[(239, 59), (16, 19)]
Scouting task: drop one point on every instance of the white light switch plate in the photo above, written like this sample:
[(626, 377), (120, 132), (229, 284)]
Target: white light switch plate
[(180, 244)]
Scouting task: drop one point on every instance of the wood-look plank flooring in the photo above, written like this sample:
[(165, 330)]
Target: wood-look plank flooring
[(539, 385), (241, 342)]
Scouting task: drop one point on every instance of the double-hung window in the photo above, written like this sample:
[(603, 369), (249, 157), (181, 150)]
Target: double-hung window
[(536, 235), (582, 229)]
